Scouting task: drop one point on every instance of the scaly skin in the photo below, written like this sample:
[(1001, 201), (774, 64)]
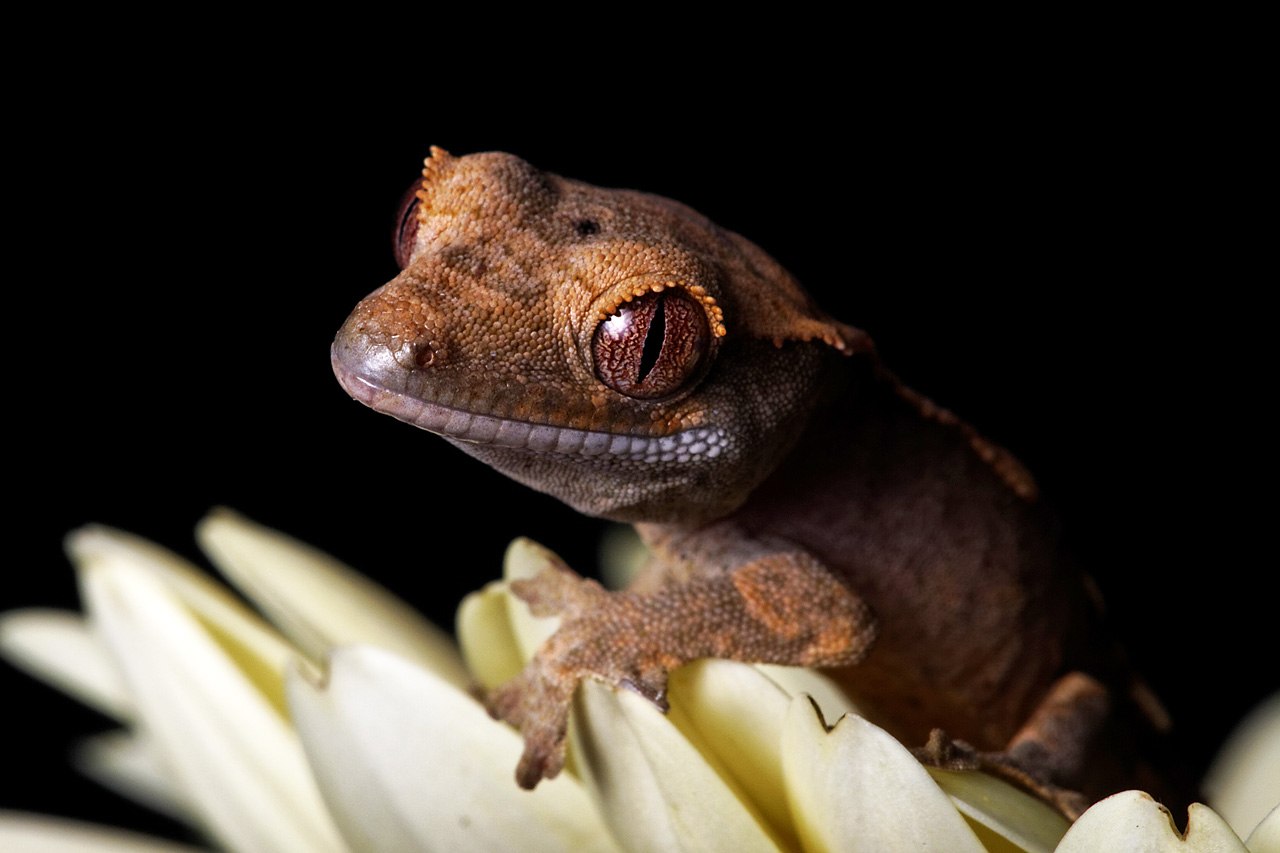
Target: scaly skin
[(621, 352)]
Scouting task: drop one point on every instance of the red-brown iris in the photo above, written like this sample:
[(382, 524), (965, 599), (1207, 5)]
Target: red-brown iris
[(652, 346)]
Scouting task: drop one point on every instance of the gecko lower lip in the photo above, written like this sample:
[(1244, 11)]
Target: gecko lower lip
[(459, 425)]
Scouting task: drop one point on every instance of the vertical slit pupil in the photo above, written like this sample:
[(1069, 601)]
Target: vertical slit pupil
[(653, 339)]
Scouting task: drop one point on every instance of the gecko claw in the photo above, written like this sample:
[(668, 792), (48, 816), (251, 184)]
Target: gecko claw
[(653, 690)]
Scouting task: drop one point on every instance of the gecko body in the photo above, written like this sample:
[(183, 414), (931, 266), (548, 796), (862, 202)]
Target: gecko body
[(623, 353)]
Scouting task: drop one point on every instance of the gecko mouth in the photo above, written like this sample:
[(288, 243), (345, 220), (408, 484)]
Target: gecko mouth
[(472, 428)]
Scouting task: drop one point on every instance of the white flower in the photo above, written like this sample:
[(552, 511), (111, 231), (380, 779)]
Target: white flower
[(347, 723)]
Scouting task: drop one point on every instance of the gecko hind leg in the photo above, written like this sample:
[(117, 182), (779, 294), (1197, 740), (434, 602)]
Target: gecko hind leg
[(1051, 755)]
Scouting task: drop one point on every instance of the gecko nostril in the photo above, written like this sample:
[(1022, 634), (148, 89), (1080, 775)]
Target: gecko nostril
[(424, 353)]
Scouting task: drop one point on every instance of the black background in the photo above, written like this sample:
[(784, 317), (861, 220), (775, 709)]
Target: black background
[(1061, 259)]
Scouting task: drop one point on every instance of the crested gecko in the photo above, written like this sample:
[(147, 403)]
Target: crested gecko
[(802, 506)]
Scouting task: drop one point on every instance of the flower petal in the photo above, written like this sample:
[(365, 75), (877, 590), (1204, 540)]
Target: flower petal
[(622, 556), (488, 642), (1002, 810), (131, 765), (856, 788), (524, 559), (1131, 820), (734, 714), (497, 632), (317, 601), (656, 790), (235, 759), (795, 680), (1243, 784), (31, 833), (257, 650), (1266, 837), (58, 647), (409, 762)]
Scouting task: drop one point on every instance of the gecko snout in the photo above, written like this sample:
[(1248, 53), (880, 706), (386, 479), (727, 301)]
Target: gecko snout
[(392, 335)]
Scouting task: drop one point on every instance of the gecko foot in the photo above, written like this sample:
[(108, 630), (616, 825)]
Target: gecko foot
[(633, 640), (596, 639), (538, 701), (558, 590), (943, 752), (539, 709)]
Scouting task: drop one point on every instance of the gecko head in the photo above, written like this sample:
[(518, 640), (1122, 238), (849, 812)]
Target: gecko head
[(612, 348)]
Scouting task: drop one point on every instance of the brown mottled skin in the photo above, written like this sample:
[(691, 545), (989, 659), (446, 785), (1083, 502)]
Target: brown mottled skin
[(819, 514)]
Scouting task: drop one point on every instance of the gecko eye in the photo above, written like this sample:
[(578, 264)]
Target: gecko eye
[(406, 225), (652, 345)]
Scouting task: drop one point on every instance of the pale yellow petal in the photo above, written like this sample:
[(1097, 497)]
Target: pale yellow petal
[(33, 833), (233, 756), (734, 715), (497, 632), (1243, 784), (316, 600), (1132, 821), (796, 680), (58, 647), (656, 790), (525, 559), (487, 639), (855, 788), (622, 556), (1026, 822), (408, 762), (258, 651), (1265, 838), (131, 765)]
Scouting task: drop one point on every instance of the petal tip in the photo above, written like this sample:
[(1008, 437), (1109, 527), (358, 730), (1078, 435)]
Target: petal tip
[(83, 543), (218, 522)]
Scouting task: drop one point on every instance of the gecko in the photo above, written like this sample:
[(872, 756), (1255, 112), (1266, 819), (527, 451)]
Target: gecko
[(802, 506)]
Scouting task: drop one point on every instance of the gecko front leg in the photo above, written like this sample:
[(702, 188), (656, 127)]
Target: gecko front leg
[(782, 608)]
